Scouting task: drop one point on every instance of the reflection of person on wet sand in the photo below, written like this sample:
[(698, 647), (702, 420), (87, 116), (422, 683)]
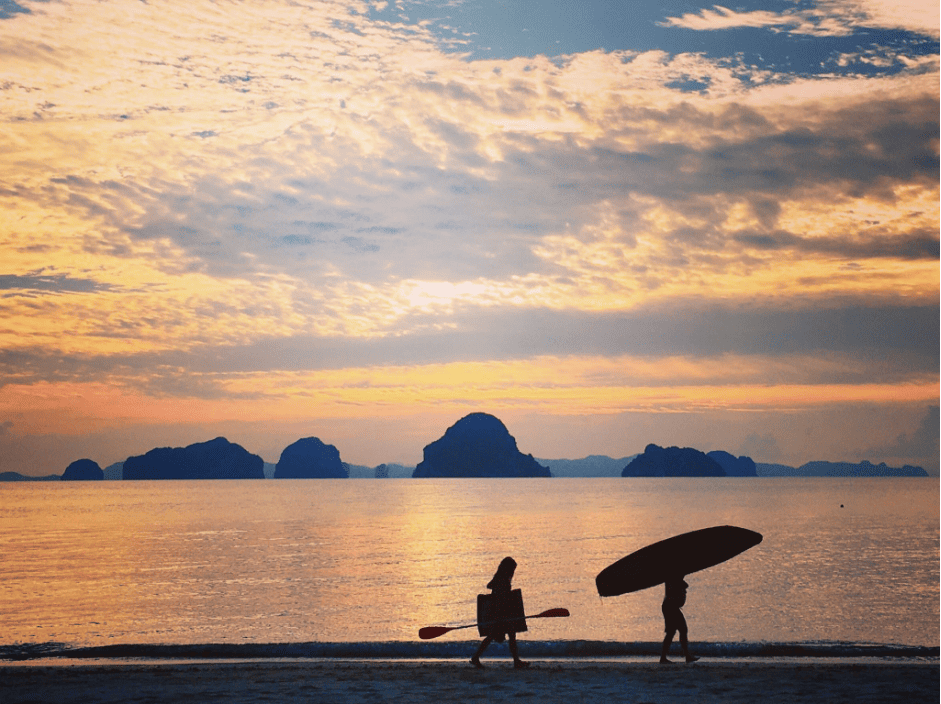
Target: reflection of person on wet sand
[(673, 620), (500, 588)]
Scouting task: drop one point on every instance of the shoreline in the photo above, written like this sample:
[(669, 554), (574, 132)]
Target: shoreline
[(458, 649), (489, 662), (444, 681)]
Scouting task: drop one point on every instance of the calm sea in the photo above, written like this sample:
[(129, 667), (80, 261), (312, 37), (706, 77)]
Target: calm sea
[(365, 561)]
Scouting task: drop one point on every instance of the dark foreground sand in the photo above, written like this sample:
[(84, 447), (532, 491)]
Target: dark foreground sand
[(573, 682)]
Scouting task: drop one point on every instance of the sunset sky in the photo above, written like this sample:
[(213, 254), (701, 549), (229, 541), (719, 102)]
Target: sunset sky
[(608, 223)]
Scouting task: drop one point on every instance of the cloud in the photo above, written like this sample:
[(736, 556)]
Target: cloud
[(546, 185), (299, 230), (917, 245), (761, 447), (886, 347), (723, 18), (831, 18), (37, 283), (920, 444), (920, 16)]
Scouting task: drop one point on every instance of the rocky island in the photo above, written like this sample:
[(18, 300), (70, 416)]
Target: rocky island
[(477, 446), (83, 470), (310, 458), (215, 459), (734, 466), (656, 461)]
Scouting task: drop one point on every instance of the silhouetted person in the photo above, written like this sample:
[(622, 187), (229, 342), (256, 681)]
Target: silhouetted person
[(673, 620), (500, 589)]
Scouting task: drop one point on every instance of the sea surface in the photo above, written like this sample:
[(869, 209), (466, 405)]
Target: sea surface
[(845, 563)]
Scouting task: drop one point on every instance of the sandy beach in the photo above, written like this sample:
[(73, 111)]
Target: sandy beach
[(455, 681)]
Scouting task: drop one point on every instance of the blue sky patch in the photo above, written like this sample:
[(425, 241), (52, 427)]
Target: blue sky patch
[(798, 38)]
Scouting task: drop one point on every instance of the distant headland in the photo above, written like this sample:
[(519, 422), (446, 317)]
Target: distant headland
[(478, 445)]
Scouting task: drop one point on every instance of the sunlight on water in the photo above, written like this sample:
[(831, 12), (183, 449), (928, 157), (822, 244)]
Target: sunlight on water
[(375, 560)]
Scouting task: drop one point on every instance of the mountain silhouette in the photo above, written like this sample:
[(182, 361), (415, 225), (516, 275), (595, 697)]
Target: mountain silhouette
[(17, 477), (734, 466), (215, 459), (309, 458), (83, 470), (478, 445), (659, 461)]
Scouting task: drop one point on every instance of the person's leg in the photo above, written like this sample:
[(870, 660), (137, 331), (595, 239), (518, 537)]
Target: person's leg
[(684, 640), (670, 632), (475, 661), (514, 651)]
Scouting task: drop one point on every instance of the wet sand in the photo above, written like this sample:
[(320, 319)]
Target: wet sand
[(570, 681)]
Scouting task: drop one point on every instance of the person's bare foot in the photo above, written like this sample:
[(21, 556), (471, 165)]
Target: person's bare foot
[(664, 661), (520, 665), (691, 658), (476, 663)]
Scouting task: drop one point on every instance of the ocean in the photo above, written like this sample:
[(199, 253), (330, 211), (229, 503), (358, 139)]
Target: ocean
[(356, 567)]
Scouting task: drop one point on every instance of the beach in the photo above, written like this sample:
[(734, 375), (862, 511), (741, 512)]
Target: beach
[(441, 681)]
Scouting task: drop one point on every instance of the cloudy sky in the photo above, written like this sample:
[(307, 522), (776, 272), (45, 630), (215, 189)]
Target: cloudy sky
[(608, 223)]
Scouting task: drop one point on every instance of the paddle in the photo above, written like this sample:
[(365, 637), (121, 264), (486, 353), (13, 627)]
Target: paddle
[(429, 632)]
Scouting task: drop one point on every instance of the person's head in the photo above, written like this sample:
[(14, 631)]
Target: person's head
[(507, 568)]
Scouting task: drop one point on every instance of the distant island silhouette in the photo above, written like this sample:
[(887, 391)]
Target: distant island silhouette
[(734, 466), (839, 469), (658, 461), (215, 459), (310, 458), (83, 470), (478, 445), (17, 477)]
